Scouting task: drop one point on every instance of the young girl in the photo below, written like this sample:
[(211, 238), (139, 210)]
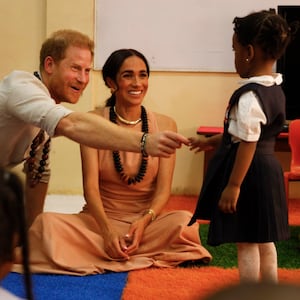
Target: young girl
[(243, 192), (12, 230)]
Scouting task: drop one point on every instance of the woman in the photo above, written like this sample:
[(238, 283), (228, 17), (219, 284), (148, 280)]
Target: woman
[(122, 226)]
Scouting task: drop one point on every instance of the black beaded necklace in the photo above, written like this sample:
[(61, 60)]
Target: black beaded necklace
[(116, 154), (34, 176)]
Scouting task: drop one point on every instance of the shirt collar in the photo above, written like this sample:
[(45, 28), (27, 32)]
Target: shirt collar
[(266, 80)]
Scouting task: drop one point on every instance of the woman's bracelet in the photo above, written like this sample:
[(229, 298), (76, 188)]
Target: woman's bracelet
[(143, 144), (150, 212)]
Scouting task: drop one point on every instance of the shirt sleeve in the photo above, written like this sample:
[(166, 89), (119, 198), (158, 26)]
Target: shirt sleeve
[(246, 118), (29, 100)]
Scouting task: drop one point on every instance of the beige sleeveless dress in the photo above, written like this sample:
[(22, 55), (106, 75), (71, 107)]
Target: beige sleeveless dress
[(72, 243)]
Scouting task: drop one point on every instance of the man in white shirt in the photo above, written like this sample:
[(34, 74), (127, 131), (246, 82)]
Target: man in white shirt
[(29, 103)]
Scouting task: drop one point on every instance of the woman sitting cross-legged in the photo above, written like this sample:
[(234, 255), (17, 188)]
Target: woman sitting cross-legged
[(123, 225)]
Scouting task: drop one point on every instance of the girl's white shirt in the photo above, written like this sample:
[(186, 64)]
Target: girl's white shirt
[(246, 118)]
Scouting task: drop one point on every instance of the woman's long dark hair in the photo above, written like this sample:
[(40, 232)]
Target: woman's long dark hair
[(113, 64), (13, 223)]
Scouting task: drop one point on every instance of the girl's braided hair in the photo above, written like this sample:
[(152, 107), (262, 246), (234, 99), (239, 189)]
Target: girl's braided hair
[(265, 29)]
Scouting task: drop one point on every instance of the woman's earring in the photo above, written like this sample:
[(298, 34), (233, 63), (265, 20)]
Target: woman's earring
[(112, 90), (247, 59)]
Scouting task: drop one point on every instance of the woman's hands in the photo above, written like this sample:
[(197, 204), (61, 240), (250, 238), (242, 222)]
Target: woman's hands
[(120, 246), (115, 245), (135, 234)]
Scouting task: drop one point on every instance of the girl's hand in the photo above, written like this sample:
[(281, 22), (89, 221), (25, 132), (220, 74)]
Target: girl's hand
[(229, 198), (199, 144), (243, 160)]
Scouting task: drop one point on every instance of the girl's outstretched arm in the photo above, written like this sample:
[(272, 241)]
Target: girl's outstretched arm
[(202, 143)]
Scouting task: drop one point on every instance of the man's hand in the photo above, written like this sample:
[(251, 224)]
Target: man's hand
[(164, 143)]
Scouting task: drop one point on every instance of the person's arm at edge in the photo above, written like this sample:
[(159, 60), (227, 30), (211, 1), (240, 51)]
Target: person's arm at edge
[(35, 199), (96, 132)]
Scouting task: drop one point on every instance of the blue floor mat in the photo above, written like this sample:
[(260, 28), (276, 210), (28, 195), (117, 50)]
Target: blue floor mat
[(107, 286)]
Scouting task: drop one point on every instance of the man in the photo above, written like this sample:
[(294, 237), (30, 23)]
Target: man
[(30, 114)]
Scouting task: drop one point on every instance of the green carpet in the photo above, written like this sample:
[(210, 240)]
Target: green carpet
[(226, 255)]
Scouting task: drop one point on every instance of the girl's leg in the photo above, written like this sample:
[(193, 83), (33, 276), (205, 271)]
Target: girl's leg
[(268, 262), (248, 261)]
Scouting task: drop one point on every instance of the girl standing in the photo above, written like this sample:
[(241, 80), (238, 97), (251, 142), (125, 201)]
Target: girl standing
[(243, 192)]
